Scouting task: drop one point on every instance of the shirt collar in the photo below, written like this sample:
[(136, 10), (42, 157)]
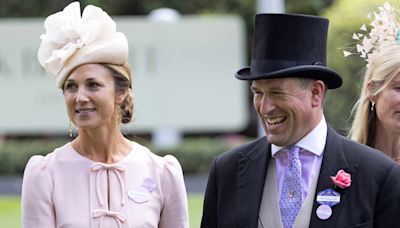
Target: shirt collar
[(313, 141)]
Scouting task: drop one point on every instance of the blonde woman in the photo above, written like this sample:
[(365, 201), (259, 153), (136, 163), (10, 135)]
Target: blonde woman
[(100, 179), (377, 112)]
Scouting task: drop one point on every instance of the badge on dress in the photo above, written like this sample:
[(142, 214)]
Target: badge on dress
[(149, 184), (138, 196)]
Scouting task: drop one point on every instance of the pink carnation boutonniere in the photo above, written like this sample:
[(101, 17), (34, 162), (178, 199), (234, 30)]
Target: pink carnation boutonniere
[(342, 179)]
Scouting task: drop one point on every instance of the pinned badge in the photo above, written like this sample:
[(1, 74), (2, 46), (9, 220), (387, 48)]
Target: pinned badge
[(328, 197), (324, 212), (138, 196), (149, 184)]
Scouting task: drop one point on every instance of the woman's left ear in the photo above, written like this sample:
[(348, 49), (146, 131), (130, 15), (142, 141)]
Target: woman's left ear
[(120, 96), (370, 87)]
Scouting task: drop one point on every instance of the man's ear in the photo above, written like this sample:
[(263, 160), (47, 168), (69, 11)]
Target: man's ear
[(317, 92)]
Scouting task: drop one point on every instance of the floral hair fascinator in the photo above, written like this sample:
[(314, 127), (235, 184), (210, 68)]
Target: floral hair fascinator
[(385, 26), (72, 40)]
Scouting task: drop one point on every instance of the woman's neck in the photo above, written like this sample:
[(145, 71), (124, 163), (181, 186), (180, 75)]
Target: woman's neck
[(388, 142), (102, 145)]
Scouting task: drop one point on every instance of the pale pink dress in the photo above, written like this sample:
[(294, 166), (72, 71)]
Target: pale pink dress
[(67, 190)]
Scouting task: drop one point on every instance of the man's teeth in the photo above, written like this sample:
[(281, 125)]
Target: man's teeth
[(275, 120)]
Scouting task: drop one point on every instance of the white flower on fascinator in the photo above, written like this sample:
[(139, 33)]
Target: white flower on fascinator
[(67, 32), (384, 27)]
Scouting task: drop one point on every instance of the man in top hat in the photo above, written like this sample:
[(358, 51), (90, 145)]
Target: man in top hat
[(302, 173)]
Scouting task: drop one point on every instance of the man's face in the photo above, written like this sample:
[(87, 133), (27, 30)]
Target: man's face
[(288, 109)]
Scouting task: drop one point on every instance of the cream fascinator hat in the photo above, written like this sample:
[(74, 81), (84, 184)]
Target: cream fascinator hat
[(72, 40)]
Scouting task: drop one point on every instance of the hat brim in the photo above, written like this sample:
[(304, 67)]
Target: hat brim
[(328, 76)]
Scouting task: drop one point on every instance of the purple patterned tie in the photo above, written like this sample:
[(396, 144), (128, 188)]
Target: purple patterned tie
[(290, 200)]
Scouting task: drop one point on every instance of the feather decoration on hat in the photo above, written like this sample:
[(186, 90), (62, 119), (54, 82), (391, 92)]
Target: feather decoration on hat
[(385, 26)]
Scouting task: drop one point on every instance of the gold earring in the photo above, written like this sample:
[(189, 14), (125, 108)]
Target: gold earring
[(373, 106), (70, 129)]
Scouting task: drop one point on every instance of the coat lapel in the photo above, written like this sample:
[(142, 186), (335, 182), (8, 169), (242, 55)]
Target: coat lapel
[(334, 159), (251, 173)]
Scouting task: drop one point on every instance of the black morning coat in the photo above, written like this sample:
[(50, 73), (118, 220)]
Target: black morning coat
[(236, 183)]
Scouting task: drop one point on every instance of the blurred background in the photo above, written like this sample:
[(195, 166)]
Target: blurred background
[(183, 55)]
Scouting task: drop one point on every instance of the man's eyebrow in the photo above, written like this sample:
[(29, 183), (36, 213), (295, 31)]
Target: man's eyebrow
[(269, 88)]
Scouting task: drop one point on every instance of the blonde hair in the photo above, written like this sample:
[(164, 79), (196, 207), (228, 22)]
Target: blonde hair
[(382, 69)]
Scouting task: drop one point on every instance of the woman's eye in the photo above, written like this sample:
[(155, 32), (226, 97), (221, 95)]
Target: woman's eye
[(93, 85), (70, 86)]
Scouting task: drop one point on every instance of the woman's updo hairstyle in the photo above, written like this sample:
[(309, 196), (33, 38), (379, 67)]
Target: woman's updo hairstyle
[(122, 80)]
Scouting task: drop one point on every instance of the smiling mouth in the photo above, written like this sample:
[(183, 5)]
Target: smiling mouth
[(275, 120), (84, 110)]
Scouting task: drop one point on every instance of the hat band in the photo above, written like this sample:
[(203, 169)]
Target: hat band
[(262, 66)]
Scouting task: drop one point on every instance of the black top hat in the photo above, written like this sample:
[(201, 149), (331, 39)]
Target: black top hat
[(287, 45)]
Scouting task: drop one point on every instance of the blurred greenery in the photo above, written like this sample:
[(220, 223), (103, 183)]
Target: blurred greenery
[(10, 212), (194, 154), (313, 7), (195, 209), (14, 154)]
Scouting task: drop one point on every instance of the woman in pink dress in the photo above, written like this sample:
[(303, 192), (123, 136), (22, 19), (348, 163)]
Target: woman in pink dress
[(100, 179)]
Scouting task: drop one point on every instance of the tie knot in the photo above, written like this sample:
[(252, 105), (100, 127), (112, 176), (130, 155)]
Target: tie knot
[(293, 152)]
